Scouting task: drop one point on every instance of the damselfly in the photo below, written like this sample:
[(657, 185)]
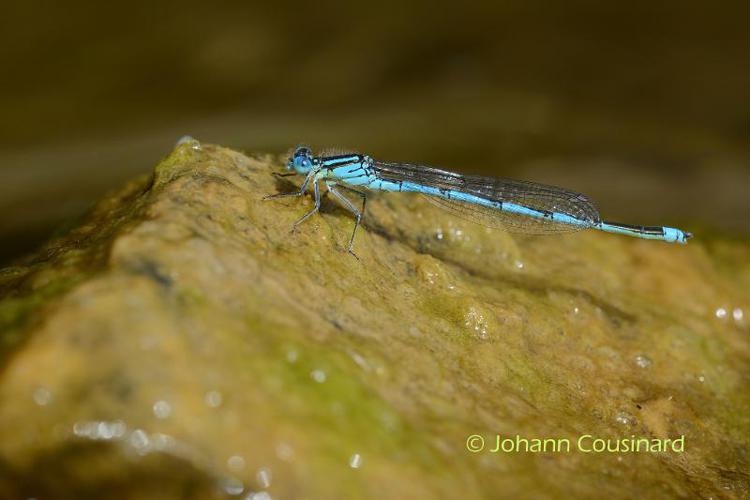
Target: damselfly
[(516, 206)]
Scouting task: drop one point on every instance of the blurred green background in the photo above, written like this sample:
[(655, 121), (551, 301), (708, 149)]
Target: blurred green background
[(643, 106)]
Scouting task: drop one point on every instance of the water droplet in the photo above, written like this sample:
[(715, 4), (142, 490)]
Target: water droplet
[(259, 495), (439, 234), (263, 476), (624, 418), (42, 396), (119, 428), (721, 313), (355, 461), (232, 486), (474, 320), (100, 429), (183, 140), (103, 431), (80, 429), (518, 264), (701, 378), (186, 139), (361, 362), (576, 310), (162, 442), (429, 277), (162, 409), (642, 361), (318, 375), (738, 315), (140, 441), (111, 430), (236, 463), (213, 399)]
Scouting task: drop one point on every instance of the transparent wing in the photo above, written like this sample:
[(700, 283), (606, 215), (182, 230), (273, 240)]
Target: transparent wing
[(490, 217), (527, 194), (335, 151)]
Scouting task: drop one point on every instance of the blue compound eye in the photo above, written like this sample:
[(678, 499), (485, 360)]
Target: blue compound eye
[(302, 151)]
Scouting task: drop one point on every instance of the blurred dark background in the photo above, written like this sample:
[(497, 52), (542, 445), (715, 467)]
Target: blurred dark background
[(643, 106)]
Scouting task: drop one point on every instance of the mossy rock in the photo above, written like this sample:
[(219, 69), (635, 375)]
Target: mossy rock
[(181, 336)]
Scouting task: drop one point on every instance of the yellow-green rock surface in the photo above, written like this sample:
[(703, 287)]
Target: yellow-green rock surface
[(181, 343)]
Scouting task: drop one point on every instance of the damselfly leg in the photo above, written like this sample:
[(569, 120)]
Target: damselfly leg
[(349, 206), (315, 208), (301, 191)]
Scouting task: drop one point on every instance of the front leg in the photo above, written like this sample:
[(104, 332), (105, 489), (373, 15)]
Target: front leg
[(315, 208), (301, 191)]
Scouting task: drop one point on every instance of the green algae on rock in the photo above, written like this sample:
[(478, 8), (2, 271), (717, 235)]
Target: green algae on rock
[(182, 341)]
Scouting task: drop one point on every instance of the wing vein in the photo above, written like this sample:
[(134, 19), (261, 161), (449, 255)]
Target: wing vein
[(528, 194)]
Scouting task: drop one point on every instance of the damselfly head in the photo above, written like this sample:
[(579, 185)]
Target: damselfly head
[(301, 160)]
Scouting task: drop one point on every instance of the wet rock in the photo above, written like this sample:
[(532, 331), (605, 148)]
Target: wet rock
[(180, 340)]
